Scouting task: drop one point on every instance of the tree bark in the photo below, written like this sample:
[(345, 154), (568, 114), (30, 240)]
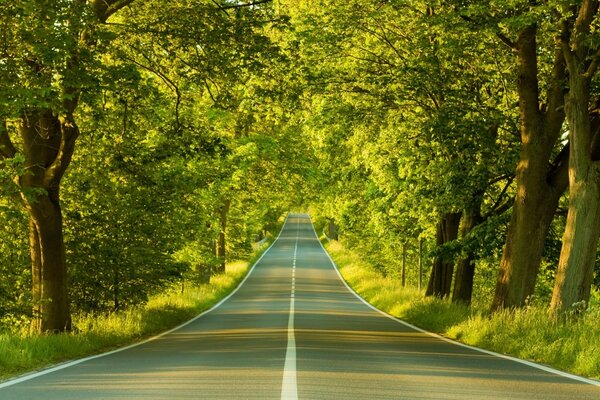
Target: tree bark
[(52, 311), (465, 267), (440, 280), (36, 275), (538, 189), (580, 239), (48, 143)]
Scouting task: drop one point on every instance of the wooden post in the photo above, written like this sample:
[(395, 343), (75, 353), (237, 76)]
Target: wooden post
[(403, 264), (420, 263)]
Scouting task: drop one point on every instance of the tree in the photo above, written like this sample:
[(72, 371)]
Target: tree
[(404, 130), (541, 85), (580, 240), (49, 62)]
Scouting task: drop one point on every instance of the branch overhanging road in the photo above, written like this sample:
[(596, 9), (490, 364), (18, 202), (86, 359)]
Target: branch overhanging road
[(293, 330)]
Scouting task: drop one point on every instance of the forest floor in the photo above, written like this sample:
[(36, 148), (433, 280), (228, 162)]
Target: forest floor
[(572, 345)]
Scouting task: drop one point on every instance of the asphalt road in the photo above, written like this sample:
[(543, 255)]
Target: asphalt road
[(294, 330)]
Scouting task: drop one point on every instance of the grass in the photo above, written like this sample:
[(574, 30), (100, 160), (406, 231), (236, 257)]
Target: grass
[(93, 334), (572, 345)]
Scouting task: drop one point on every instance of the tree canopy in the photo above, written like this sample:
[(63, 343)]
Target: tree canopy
[(144, 143)]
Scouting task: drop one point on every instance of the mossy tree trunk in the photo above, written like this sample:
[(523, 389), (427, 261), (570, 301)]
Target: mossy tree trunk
[(48, 144), (465, 267), (580, 239), (538, 187), (440, 280)]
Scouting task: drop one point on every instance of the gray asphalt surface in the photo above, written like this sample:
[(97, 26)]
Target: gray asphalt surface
[(344, 349)]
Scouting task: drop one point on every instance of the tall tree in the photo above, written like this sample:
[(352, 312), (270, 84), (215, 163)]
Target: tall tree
[(50, 50), (580, 239), (541, 84)]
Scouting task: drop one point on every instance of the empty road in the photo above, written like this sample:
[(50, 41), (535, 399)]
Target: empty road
[(293, 330)]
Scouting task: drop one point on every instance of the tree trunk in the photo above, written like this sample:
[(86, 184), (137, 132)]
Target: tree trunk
[(440, 280), (48, 143), (221, 242), (420, 264), (465, 268), (580, 239), (36, 275), (49, 285), (580, 242), (538, 189), (332, 230), (533, 211)]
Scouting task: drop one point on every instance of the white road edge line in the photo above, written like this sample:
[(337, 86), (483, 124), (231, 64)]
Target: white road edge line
[(68, 364), (445, 339), (289, 386)]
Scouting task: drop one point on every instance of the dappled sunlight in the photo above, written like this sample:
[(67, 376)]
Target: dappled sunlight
[(180, 383)]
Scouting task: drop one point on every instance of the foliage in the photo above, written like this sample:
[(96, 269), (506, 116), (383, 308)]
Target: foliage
[(182, 110), (201, 122)]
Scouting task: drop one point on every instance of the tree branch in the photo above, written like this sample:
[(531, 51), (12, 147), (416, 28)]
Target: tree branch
[(498, 209), (105, 8), (503, 38), (566, 46), (252, 4), (593, 67), (163, 77), (500, 178), (555, 113), (384, 38), (210, 93), (69, 132), (558, 174), (581, 29), (220, 7)]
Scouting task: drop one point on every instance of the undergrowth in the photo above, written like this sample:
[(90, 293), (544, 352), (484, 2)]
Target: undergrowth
[(571, 345)]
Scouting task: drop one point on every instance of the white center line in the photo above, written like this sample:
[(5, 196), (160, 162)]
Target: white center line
[(289, 388)]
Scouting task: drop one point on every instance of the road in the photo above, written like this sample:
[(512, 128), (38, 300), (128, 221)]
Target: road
[(293, 330)]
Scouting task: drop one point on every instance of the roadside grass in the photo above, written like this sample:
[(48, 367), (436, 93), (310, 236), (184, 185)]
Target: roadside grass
[(94, 334), (571, 345)]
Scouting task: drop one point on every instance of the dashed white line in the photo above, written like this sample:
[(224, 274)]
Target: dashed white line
[(289, 387)]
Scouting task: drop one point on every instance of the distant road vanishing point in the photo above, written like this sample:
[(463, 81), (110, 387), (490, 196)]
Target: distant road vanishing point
[(293, 330)]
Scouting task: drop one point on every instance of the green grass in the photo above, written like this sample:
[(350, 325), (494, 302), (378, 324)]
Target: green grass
[(572, 345), (93, 334)]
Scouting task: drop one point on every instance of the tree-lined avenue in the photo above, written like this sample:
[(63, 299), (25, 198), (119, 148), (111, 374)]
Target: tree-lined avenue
[(343, 348)]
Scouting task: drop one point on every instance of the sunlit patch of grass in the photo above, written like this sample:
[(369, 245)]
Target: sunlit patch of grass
[(97, 333), (572, 345)]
